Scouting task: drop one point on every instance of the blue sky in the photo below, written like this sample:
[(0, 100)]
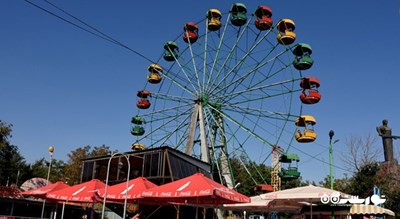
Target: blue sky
[(64, 87)]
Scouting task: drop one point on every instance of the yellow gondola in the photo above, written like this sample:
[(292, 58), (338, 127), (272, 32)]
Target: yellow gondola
[(137, 146), (305, 133), (286, 36), (155, 74), (214, 19)]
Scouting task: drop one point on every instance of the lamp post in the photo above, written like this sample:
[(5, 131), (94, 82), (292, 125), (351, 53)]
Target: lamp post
[(331, 134), (126, 188), (51, 151)]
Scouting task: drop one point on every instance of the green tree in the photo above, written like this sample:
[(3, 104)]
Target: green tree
[(73, 167), (293, 183), (339, 184), (363, 181), (250, 174), (13, 168), (41, 167)]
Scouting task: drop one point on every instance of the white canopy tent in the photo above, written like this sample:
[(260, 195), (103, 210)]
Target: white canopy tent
[(258, 204), (308, 193), (288, 200)]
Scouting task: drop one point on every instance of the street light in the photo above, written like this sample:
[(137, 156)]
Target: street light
[(51, 151), (126, 188), (331, 134)]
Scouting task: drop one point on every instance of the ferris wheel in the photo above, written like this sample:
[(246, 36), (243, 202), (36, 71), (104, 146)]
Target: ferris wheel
[(227, 87)]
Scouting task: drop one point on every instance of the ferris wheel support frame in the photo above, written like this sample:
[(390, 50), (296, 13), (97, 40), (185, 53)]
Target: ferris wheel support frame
[(198, 120), (198, 115)]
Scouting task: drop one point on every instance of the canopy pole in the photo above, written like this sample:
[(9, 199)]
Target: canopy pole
[(62, 211)]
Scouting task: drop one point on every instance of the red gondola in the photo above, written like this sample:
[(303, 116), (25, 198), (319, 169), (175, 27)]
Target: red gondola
[(190, 32), (143, 104), (144, 93), (263, 21), (310, 93)]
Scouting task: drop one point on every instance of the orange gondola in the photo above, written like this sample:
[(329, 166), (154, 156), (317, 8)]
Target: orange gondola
[(190, 32), (143, 104), (263, 20), (144, 93), (310, 93)]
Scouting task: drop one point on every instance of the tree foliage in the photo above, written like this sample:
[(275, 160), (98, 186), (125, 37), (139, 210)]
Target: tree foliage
[(5, 133), (73, 167), (248, 174), (40, 168), (13, 168), (362, 157)]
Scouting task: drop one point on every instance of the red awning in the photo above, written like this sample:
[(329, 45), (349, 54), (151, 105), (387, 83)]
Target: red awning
[(84, 192), (196, 190), (132, 191), (42, 191)]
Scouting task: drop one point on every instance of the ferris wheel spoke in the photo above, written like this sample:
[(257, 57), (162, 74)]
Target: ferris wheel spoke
[(228, 55), (181, 83), (215, 58), (165, 125), (250, 94), (232, 69), (188, 77), (173, 98), (244, 128), (195, 71), (257, 112), (253, 72)]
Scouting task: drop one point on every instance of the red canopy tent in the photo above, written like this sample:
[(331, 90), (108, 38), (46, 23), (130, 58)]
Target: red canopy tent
[(197, 190), (85, 192), (120, 191), (42, 191)]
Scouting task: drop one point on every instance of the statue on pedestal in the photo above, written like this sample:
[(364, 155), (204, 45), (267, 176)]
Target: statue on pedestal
[(387, 139)]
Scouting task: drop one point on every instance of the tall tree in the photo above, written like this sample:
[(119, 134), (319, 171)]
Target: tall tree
[(5, 133), (249, 174), (75, 160), (339, 184), (363, 181), (41, 169), (12, 164), (360, 151)]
